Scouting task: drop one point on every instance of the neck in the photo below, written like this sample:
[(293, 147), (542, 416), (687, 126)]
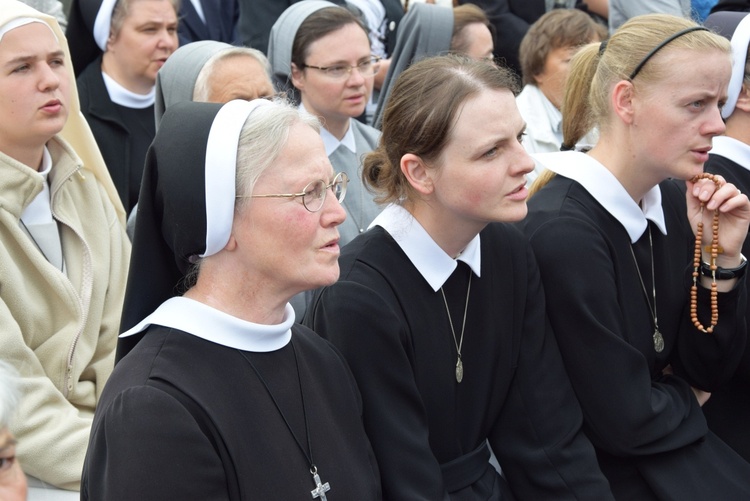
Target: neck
[(137, 86), (620, 161), (738, 127), (451, 234), (337, 126), (225, 292)]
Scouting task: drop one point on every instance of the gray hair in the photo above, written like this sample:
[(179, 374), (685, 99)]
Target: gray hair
[(10, 394), (263, 136), (201, 88)]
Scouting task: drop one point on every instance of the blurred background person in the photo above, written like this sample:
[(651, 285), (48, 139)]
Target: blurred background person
[(429, 30), (728, 409), (63, 252), (241, 202), (118, 48), (545, 54), (212, 72), (323, 51), (208, 20)]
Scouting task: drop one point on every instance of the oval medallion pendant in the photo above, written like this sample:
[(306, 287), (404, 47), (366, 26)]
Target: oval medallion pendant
[(658, 341), (459, 370)]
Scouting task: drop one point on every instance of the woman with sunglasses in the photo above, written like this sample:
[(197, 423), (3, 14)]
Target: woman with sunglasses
[(323, 50), (222, 396)]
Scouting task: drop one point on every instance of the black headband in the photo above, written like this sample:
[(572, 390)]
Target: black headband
[(661, 46)]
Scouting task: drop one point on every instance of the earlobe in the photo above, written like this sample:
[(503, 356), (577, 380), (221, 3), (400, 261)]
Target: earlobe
[(297, 80), (418, 175), (231, 244), (623, 101)]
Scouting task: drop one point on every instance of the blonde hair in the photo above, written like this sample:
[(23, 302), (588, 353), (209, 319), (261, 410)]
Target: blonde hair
[(597, 67)]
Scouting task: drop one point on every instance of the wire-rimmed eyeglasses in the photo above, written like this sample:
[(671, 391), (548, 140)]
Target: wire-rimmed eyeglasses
[(367, 68), (314, 194)]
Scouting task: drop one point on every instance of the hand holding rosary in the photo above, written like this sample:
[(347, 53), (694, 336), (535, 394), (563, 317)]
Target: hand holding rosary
[(710, 269)]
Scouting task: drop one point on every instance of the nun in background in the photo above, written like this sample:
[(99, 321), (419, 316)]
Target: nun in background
[(211, 72), (224, 397), (728, 409), (430, 30), (117, 49)]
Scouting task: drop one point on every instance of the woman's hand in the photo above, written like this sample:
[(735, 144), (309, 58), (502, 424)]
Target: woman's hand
[(734, 217)]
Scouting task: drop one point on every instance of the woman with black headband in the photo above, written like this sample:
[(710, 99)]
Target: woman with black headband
[(224, 397), (640, 256)]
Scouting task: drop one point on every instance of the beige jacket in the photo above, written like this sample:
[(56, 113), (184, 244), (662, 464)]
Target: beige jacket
[(59, 330)]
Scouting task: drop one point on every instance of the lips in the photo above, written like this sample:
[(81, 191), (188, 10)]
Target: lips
[(52, 106), (520, 193)]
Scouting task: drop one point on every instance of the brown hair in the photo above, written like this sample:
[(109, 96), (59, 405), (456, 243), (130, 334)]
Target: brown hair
[(555, 29), (463, 16), (420, 115), (319, 24)]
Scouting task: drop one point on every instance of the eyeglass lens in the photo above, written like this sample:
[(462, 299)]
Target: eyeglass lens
[(315, 192)]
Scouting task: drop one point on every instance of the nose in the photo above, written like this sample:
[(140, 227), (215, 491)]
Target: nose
[(715, 125), (332, 213), (355, 78), (49, 79), (168, 40), (524, 163)]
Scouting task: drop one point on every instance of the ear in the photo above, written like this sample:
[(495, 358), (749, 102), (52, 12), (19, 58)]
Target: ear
[(297, 78), (623, 101), (743, 100), (231, 244), (110, 40), (418, 175)]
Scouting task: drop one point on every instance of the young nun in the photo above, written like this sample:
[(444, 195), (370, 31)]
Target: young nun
[(224, 397), (63, 252), (728, 409), (645, 330), (451, 350)]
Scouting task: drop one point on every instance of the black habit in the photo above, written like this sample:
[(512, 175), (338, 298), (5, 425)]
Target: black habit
[(649, 431), (393, 329)]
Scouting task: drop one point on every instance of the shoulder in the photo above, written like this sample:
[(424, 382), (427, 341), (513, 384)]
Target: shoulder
[(370, 134)]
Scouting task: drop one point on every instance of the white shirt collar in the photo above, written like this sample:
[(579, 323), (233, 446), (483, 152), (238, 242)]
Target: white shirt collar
[(553, 114), (39, 210), (331, 142), (427, 257), (122, 96), (733, 149), (607, 190), (218, 327)]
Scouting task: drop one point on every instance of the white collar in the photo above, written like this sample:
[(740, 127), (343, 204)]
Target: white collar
[(427, 257), (553, 114), (39, 210), (733, 149), (122, 96), (607, 190), (218, 327), (331, 142)]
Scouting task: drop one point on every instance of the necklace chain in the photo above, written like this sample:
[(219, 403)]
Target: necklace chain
[(460, 342), (320, 488), (658, 339)]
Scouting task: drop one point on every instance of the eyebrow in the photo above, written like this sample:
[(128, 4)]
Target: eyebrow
[(31, 58)]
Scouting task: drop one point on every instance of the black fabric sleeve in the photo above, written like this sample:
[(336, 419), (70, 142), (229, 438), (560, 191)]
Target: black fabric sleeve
[(626, 412), (145, 445), (538, 439)]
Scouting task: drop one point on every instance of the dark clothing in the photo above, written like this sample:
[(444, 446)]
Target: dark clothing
[(514, 392), (728, 409), (257, 18), (122, 134), (221, 22), (649, 431), (731, 5), (184, 418), (511, 20)]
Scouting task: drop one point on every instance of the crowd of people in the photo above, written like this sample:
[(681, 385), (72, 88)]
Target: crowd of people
[(374, 249)]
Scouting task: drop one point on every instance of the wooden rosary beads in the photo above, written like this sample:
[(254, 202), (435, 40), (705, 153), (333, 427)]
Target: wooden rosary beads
[(715, 249)]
